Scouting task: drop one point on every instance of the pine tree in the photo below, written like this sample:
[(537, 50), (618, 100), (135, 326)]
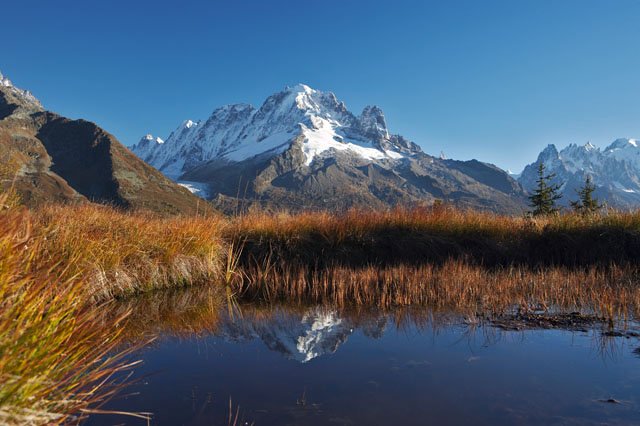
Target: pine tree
[(544, 197), (586, 204)]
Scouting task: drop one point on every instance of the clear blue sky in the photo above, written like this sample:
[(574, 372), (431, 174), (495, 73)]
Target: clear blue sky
[(493, 80)]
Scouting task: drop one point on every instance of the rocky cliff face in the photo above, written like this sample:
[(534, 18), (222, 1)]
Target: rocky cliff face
[(615, 171), (303, 149), (49, 158)]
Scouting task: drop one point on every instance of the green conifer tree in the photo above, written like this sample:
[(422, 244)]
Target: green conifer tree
[(586, 204), (544, 197)]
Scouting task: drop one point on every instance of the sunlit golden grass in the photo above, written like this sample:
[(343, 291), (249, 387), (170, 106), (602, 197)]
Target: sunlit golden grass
[(428, 255), (121, 253), (56, 364)]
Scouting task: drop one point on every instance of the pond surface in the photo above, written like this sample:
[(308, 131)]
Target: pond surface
[(321, 366)]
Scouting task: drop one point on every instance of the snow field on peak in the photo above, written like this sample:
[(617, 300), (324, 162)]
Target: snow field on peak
[(275, 143), (324, 138), (5, 81)]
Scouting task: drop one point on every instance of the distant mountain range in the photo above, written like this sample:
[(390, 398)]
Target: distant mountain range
[(47, 157), (302, 149), (615, 171)]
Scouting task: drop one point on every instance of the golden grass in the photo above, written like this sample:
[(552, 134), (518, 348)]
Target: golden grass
[(124, 253), (443, 257), (60, 358), (359, 238), (58, 263), (55, 363), (428, 255)]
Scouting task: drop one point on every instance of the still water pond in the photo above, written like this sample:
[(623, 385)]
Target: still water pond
[(322, 366)]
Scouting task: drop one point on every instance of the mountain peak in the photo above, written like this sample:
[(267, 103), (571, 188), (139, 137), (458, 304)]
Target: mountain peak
[(147, 144), (548, 154), (622, 143), (24, 97), (614, 171), (238, 131), (373, 122), (76, 161), (303, 148), (304, 98), (300, 88), (4, 81), (150, 138)]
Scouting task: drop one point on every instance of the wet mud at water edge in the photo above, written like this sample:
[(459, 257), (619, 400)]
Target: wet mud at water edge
[(315, 365)]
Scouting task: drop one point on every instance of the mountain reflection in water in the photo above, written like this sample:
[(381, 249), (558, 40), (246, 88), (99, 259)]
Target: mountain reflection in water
[(315, 365), (317, 332)]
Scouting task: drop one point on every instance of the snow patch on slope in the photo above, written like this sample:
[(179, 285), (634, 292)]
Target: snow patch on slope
[(197, 188), (275, 143), (324, 137), (4, 81)]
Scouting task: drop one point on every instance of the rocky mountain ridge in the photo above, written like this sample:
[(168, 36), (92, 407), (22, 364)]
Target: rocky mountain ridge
[(45, 157), (303, 149), (615, 171)]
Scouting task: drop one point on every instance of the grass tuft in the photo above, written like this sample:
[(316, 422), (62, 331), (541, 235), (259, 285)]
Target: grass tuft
[(55, 362)]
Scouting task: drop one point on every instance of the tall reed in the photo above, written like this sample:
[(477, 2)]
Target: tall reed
[(612, 292)]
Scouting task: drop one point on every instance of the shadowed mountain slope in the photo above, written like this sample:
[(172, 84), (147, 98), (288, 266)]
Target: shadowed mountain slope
[(50, 158)]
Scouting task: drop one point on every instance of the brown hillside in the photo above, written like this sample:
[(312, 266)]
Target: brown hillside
[(49, 158)]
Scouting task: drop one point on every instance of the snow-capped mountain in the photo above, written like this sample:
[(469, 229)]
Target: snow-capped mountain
[(147, 145), (615, 171), (238, 132), (24, 95), (304, 149)]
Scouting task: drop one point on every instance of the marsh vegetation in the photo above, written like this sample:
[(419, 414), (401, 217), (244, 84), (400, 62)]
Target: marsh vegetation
[(62, 265)]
